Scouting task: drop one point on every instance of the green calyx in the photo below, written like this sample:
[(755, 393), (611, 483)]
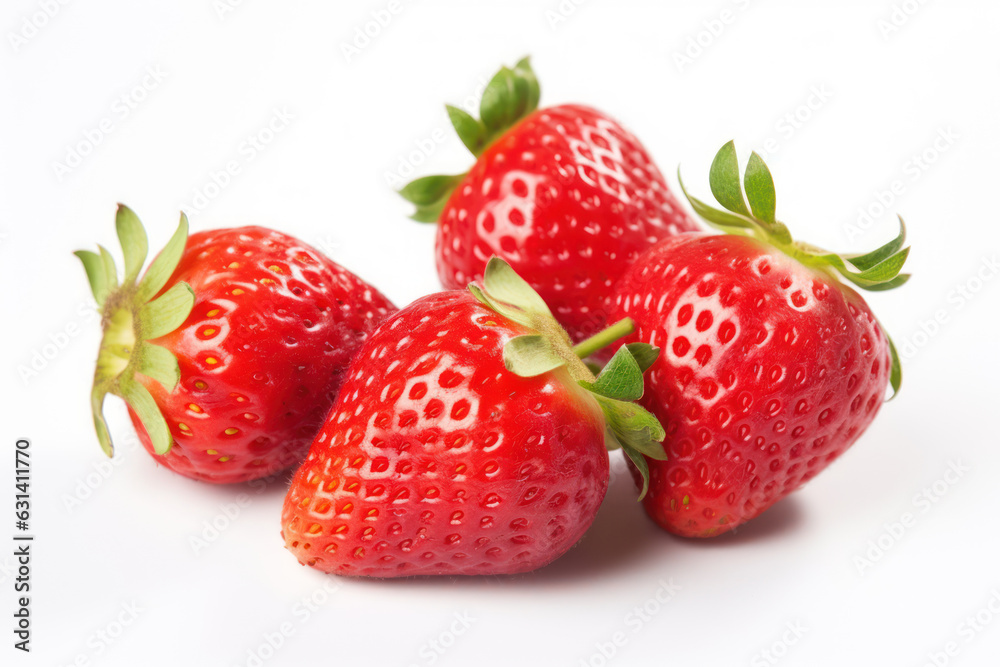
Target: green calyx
[(131, 317), (615, 388), (874, 271), (511, 94)]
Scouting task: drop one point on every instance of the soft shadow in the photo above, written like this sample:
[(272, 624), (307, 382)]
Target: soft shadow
[(620, 536), (784, 517)]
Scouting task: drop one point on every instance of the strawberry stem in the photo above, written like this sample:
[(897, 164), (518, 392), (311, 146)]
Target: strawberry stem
[(604, 338)]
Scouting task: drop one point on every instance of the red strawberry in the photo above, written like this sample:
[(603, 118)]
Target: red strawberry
[(771, 366), (230, 349), (565, 194), (467, 439)]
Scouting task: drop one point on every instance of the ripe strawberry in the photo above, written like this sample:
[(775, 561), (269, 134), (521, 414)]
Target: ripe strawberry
[(468, 438), (230, 349), (771, 366), (565, 194)]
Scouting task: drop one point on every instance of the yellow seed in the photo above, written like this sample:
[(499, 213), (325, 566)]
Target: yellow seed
[(200, 385), (208, 331), (234, 265), (232, 431), (267, 281), (223, 459), (194, 407), (275, 268), (212, 313), (211, 452), (237, 292), (315, 529), (182, 426), (211, 361), (340, 529)]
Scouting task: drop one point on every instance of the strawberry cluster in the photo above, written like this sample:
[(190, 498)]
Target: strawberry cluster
[(468, 432)]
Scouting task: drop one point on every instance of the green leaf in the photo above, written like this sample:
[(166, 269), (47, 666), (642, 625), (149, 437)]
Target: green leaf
[(896, 374), (723, 220), (633, 426), (887, 269), (132, 237), (621, 378), (429, 189), (430, 194), (872, 258), (498, 107), (167, 312), (97, 409), (760, 189), (533, 92), (469, 130), (110, 270), (642, 466), (96, 276), (502, 283), (160, 364), (645, 354), (509, 96), (164, 264), (142, 402), (892, 284), (724, 179), (530, 355)]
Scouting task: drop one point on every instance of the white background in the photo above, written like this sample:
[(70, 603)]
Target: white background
[(884, 97)]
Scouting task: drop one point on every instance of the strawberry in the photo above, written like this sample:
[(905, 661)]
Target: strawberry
[(229, 351), (771, 367), (468, 438), (565, 194)]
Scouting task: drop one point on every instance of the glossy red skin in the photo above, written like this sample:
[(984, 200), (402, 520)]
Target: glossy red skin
[(281, 347), (783, 374), (438, 460), (569, 198)]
